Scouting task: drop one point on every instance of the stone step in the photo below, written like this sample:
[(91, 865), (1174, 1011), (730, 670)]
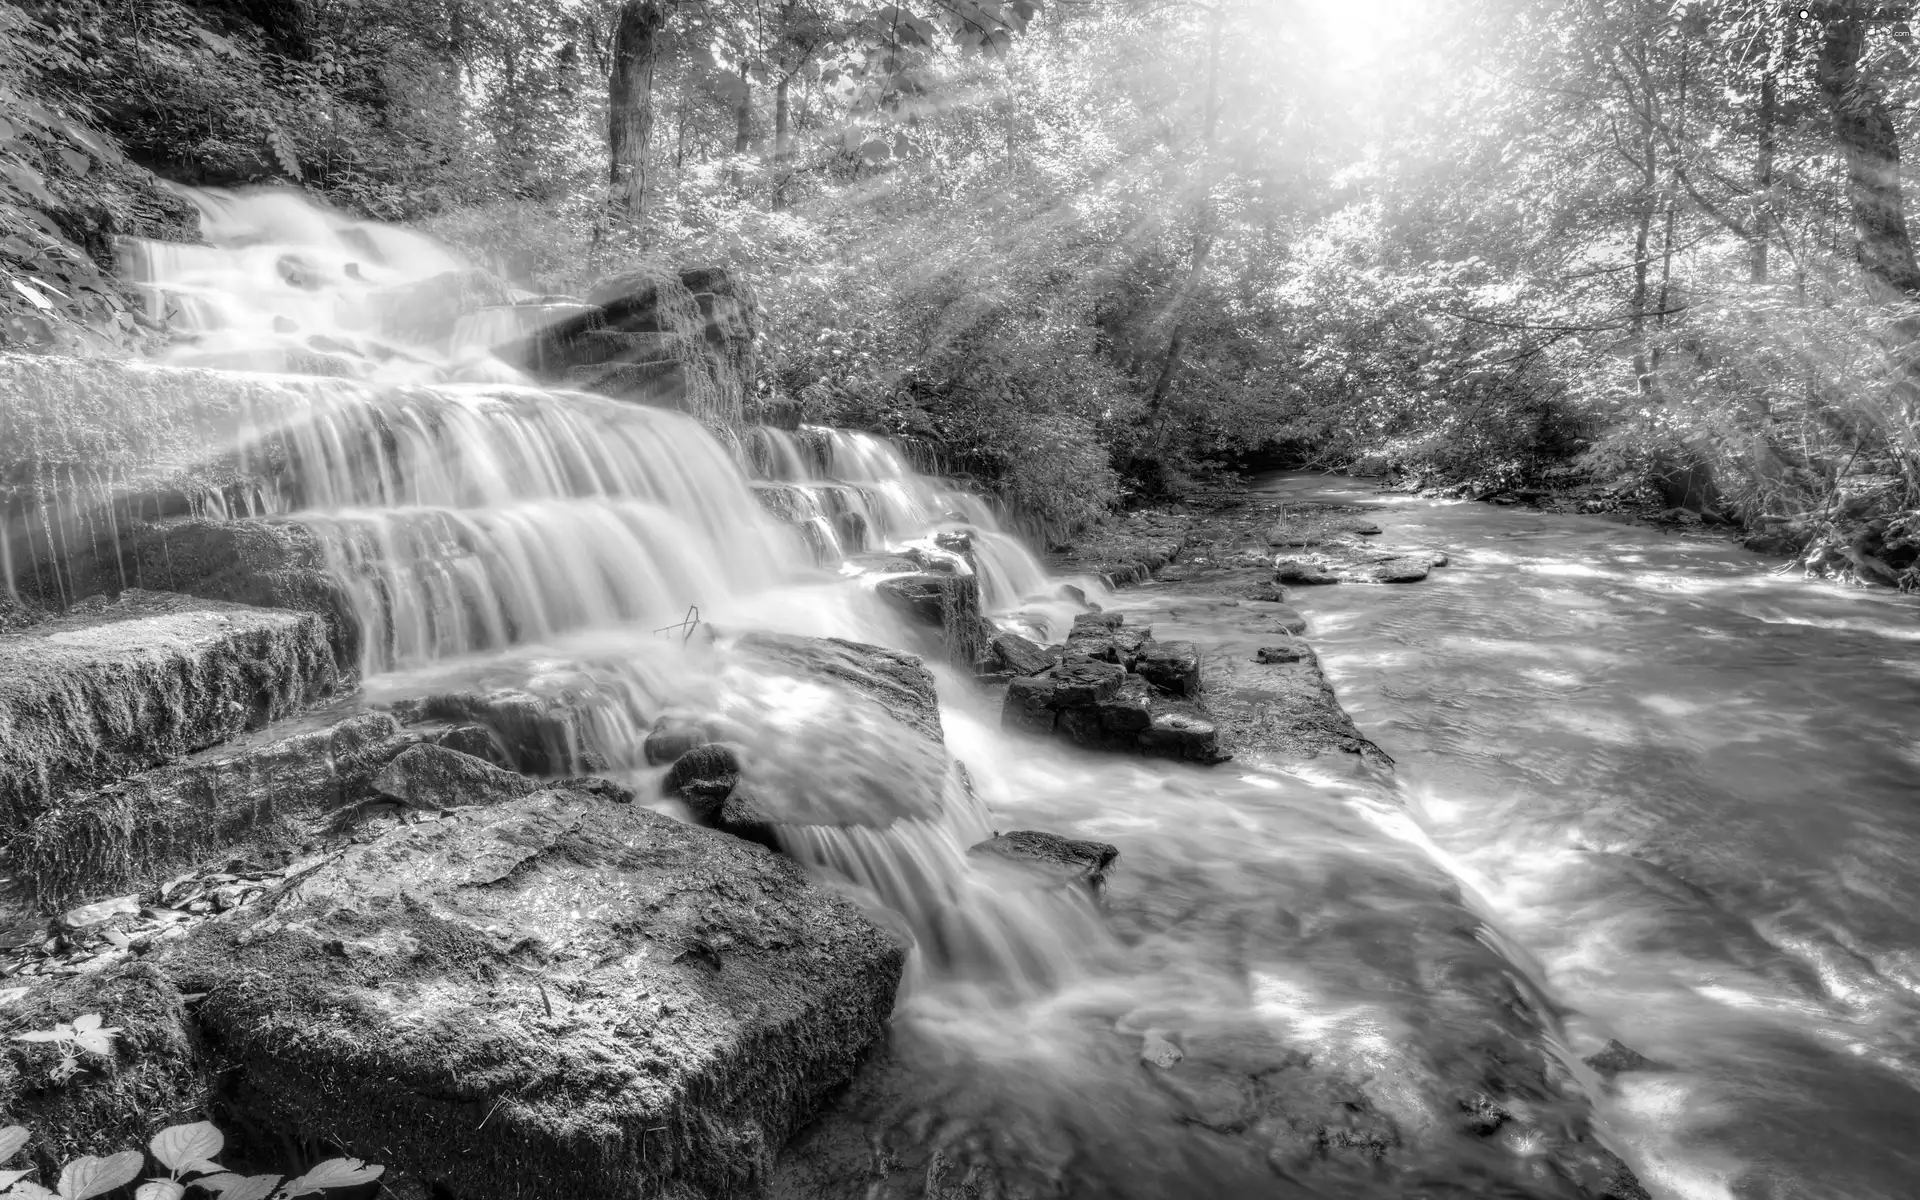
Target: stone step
[(110, 690), (263, 791), (624, 1004)]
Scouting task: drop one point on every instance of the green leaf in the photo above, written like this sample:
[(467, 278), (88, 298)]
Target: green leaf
[(9, 1178), (230, 1186), (160, 1189), (335, 1172), (28, 1190), (39, 301), (89, 1176), (11, 1139), (180, 1146), (97, 1041)]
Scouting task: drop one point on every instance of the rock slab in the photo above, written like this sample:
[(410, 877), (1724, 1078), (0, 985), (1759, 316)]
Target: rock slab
[(555, 989), (107, 692)]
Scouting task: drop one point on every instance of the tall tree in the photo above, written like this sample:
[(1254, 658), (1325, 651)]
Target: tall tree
[(630, 103), (1864, 129)]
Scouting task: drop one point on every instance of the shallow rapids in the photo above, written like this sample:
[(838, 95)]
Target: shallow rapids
[(1686, 788)]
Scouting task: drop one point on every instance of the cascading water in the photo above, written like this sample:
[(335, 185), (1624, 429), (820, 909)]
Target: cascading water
[(482, 528), (495, 538)]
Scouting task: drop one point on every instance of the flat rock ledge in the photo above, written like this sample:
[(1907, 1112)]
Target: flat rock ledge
[(112, 689), (559, 994)]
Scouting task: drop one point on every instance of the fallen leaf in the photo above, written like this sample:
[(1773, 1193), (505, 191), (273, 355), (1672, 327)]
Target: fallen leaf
[(93, 914)]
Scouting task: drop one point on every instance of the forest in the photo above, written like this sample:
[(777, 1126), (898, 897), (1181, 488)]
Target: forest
[(1095, 253)]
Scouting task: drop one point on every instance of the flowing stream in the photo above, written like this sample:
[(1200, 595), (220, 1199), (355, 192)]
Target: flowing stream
[(1646, 791), (1690, 789)]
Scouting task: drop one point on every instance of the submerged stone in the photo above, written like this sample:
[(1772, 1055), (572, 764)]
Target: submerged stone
[(1053, 858), (92, 697), (626, 1005), (1396, 570)]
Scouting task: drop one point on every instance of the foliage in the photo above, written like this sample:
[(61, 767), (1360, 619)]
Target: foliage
[(185, 1154), (85, 1035)]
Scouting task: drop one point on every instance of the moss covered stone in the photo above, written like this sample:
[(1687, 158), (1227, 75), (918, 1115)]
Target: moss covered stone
[(156, 1075), (104, 693), (554, 996), (265, 787)]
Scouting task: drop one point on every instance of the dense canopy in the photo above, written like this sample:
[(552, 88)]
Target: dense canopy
[(1091, 250)]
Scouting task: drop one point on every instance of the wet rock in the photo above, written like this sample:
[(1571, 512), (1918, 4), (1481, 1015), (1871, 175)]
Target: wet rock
[(1271, 593), (900, 683), (1286, 620), (1021, 656), (673, 735), (1098, 621), (1306, 574), (1292, 652), (1129, 710), (1157, 1051), (947, 602), (1085, 683), (703, 777), (1615, 1058), (434, 777), (535, 734), (156, 1073), (1055, 859), (1171, 666), (1029, 706), (267, 563), (1397, 570), (476, 740), (1189, 734), (627, 1004), (150, 678)]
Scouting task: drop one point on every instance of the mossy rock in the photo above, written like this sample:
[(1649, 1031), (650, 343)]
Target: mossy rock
[(156, 1075), (558, 995)]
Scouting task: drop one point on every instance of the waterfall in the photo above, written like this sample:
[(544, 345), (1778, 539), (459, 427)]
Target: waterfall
[(490, 534)]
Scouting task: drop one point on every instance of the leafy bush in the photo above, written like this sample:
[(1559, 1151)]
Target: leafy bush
[(185, 1154)]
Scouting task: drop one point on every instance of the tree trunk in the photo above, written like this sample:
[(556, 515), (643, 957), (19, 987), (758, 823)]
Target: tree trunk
[(630, 103), (742, 130), (1202, 248), (781, 149), (1871, 145), (1763, 177)]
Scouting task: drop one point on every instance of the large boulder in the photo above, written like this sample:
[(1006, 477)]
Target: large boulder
[(624, 1004), (684, 340), (106, 692)]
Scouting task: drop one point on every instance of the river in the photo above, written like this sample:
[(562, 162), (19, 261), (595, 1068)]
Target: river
[(1690, 789), (1678, 789)]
